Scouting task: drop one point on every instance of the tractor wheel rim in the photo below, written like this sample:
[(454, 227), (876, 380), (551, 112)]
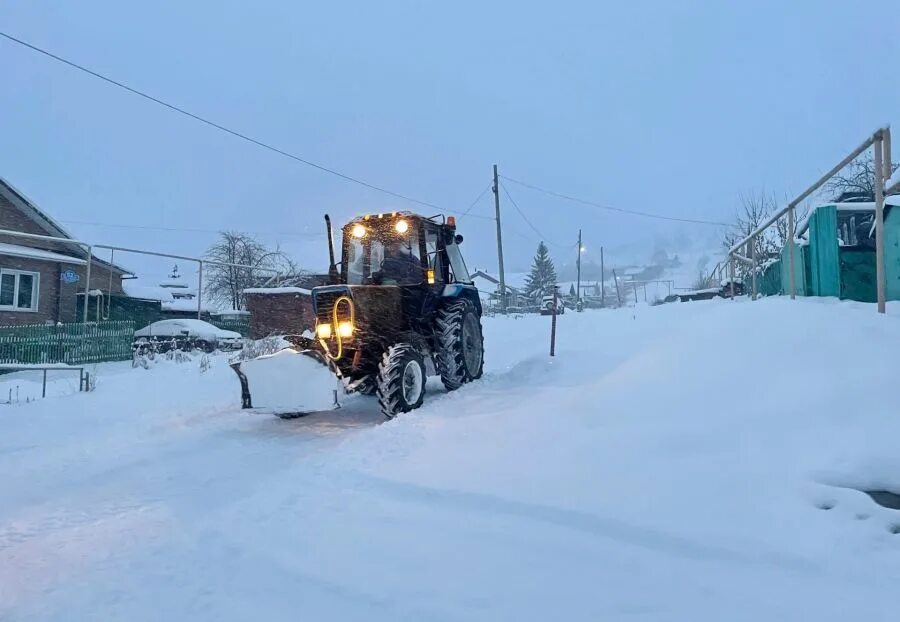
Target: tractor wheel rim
[(412, 382), (471, 344)]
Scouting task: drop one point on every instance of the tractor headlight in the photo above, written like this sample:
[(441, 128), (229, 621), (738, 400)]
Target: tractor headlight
[(323, 331), (358, 231), (345, 329), (401, 226)]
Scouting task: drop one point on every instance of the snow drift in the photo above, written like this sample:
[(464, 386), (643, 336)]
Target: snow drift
[(689, 461)]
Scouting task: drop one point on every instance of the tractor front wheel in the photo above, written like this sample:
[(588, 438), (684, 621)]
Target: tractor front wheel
[(401, 380), (460, 356)]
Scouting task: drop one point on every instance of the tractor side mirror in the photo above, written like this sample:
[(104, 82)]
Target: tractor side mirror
[(458, 238)]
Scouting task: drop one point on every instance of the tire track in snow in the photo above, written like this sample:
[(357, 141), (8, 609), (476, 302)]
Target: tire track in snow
[(584, 522)]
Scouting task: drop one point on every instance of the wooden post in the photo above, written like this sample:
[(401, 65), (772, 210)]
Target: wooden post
[(578, 279), (792, 224), (618, 294), (752, 244), (731, 270), (87, 285), (602, 280), (553, 324), (199, 288), (879, 221)]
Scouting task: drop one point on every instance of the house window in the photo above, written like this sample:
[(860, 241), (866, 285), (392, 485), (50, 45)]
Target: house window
[(19, 290)]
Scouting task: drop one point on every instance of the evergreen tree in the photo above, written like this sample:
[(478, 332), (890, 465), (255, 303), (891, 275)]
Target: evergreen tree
[(543, 274), (572, 291)]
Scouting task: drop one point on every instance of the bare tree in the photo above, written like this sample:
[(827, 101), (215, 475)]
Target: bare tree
[(856, 180), (226, 284)]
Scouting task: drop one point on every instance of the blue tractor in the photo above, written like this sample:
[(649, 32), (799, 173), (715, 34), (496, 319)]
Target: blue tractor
[(400, 306)]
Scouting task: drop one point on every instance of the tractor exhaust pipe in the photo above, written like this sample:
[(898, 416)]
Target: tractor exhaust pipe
[(332, 266)]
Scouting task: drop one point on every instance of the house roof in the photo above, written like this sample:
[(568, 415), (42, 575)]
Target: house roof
[(29, 252), (18, 199)]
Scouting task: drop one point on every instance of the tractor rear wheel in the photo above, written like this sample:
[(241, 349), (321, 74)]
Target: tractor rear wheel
[(460, 354), (401, 380)]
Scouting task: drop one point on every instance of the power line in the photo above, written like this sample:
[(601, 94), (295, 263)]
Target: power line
[(540, 235), (219, 127), (616, 209), (187, 229), (475, 202)]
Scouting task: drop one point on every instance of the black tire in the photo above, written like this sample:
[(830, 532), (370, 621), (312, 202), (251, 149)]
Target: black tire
[(460, 341), (394, 383)]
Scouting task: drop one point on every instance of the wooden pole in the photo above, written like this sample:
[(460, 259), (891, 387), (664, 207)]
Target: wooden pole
[(553, 324), (499, 241), (87, 284), (616, 281), (753, 268), (879, 221), (791, 227), (199, 288), (731, 270), (578, 280), (602, 280)]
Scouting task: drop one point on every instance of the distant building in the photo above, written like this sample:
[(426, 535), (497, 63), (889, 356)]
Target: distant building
[(489, 290), (176, 297)]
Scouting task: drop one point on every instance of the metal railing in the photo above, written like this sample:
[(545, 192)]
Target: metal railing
[(744, 250), (89, 248)]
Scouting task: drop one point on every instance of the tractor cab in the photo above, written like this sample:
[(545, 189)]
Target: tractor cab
[(401, 248)]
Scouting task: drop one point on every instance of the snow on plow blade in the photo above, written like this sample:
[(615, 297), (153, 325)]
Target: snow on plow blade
[(287, 384)]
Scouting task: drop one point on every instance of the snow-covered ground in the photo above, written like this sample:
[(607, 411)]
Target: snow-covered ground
[(683, 462)]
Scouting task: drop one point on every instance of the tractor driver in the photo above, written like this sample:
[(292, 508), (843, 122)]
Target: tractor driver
[(400, 266)]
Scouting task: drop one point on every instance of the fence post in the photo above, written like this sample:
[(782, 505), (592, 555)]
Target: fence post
[(731, 270), (879, 221), (791, 226), (553, 325), (752, 244), (199, 288)]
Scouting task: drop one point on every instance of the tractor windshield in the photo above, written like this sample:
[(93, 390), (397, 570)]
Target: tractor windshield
[(381, 255)]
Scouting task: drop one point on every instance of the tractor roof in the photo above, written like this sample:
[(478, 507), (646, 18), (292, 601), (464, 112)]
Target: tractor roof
[(437, 219)]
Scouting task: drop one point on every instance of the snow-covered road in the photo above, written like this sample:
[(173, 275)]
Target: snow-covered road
[(692, 461)]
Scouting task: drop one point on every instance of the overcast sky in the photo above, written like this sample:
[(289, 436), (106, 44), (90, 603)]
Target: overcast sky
[(670, 107)]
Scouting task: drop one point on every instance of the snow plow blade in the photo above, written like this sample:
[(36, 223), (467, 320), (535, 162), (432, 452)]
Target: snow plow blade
[(290, 383)]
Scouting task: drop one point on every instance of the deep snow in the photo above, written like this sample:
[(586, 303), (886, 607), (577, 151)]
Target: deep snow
[(689, 461)]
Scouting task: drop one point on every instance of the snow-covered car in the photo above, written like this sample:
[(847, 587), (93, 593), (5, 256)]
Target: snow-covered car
[(186, 334), (547, 305)]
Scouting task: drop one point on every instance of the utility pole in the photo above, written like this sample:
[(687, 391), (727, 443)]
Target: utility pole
[(496, 188), (602, 280), (578, 286)]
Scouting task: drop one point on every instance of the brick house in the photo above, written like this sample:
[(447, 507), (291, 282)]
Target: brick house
[(41, 280)]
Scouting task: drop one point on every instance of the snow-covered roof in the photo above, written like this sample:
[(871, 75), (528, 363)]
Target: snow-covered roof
[(15, 250), (277, 290), (163, 295), (55, 229), (852, 206), (18, 198)]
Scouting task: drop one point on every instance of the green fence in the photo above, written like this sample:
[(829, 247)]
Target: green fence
[(73, 344), (237, 323)]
